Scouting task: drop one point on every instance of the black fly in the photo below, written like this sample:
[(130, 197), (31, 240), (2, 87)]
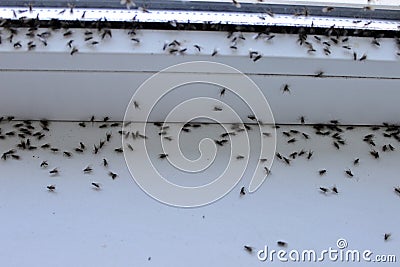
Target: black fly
[(286, 88), (324, 190), (281, 243), (162, 156), (88, 169), (248, 249), (54, 171), (112, 175), (349, 173), (242, 191), (222, 92), (387, 236)]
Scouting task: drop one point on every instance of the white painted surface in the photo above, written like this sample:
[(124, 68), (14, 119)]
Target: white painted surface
[(102, 79), (122, 226)]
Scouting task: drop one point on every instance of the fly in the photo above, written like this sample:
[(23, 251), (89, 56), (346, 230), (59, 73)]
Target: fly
[(324, 190), (287, 161), (335, 190), (74, 51), (88, 169), (349, 173), (281, 243), (108, 137), (222, 92), (236, 3), (112, 175), (69, 44), (252, 117), (363, 57), (336, 145), (397, 190), (106, 32), (258, 57), (242, 191), (54, 171), (119, 150), (96, 186), (18, 45), (387, 236), (162, 156), (286, 88), (374, 153), (51, 188), (248, 249), (67, 33), (95, 149)]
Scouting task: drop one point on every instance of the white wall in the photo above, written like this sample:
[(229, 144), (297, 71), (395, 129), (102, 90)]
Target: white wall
[(102, 79), (120, 225)]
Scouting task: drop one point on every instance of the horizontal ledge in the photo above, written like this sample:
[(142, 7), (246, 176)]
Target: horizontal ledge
[(198, 17), (377, 10), (264, 75)]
